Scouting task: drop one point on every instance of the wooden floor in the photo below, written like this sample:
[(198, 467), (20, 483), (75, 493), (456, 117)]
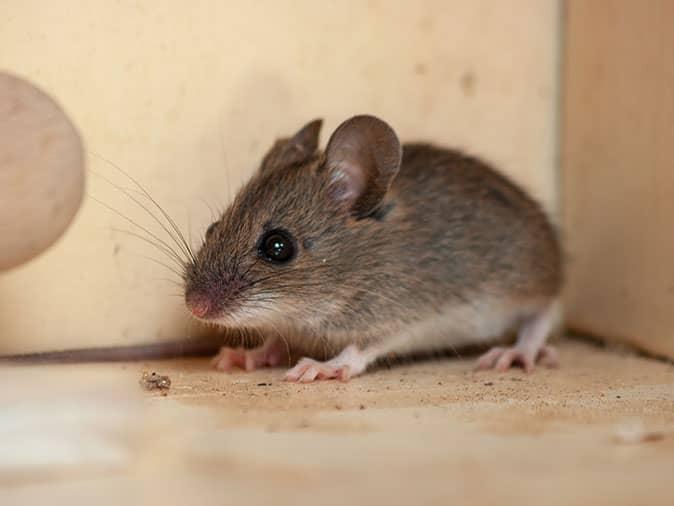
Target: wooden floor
[(599, 430)]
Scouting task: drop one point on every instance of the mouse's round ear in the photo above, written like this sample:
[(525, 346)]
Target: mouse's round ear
[(296, 150), (362, 158)]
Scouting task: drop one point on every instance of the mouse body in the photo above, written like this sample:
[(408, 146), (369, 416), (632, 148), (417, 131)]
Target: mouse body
[(370, 248)]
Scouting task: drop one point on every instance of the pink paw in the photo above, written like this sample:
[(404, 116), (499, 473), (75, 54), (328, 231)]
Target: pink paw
[(267, 355), (502, 358), (308, 370)]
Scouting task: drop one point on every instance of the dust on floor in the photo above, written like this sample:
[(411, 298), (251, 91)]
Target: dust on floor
[(598, 430)]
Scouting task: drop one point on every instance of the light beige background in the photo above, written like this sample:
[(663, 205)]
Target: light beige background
[(186, 96), (618, 171)]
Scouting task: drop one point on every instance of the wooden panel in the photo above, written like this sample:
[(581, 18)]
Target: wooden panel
[(618, 170)]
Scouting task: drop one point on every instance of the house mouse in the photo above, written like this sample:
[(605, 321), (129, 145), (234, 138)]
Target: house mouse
[(371, 248), (364, 250)]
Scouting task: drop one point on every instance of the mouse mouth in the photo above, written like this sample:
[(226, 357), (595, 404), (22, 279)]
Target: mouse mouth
[(243, 312), (224, 307)]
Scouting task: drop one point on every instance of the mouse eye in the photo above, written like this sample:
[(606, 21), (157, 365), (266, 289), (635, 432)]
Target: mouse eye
[(277, 246), (210, 229)]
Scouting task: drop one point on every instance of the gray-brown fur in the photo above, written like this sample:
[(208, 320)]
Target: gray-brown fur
[(445, 229)]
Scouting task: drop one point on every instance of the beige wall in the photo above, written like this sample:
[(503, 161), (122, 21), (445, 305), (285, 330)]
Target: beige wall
[(618, 166), (186, 96)]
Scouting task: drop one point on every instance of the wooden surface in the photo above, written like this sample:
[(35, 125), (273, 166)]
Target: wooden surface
[(618, 170), (426, 433)]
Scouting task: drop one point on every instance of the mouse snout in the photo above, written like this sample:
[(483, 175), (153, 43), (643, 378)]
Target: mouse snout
[(210, 298), (199, 304)]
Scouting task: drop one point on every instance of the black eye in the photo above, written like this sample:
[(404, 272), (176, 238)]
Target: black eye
[(277, 246), (210, 229)]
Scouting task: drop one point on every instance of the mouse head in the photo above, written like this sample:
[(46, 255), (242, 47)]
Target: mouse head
[(287, 245)]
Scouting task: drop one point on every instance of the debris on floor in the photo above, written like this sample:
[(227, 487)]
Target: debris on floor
[(154, 381)]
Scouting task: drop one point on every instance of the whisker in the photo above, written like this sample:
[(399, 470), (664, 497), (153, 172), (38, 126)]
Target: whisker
[(214, 216), (177, 273), (260, 337), (135, 224), (156, 204), (243, 275), (266, 278), (127, 192), (280, 335), (189, 230), (224, 155), (168, 252), (172, 281)]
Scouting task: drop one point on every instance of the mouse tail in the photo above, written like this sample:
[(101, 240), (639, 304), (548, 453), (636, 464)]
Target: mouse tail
[(131, 353)]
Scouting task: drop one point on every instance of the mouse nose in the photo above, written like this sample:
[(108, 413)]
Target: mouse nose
[(198, 304)]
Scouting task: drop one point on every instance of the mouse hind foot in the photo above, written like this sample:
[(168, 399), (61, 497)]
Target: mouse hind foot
[(530, 347)]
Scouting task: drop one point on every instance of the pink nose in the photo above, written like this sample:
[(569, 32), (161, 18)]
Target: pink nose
[(199, 306)]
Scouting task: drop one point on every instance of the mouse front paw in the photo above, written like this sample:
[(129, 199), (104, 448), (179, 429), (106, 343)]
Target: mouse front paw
[(270, 354), (350, 362), (308, 370)]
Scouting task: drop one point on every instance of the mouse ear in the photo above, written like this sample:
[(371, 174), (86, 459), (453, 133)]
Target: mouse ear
[(362, 158), (296, 150)]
